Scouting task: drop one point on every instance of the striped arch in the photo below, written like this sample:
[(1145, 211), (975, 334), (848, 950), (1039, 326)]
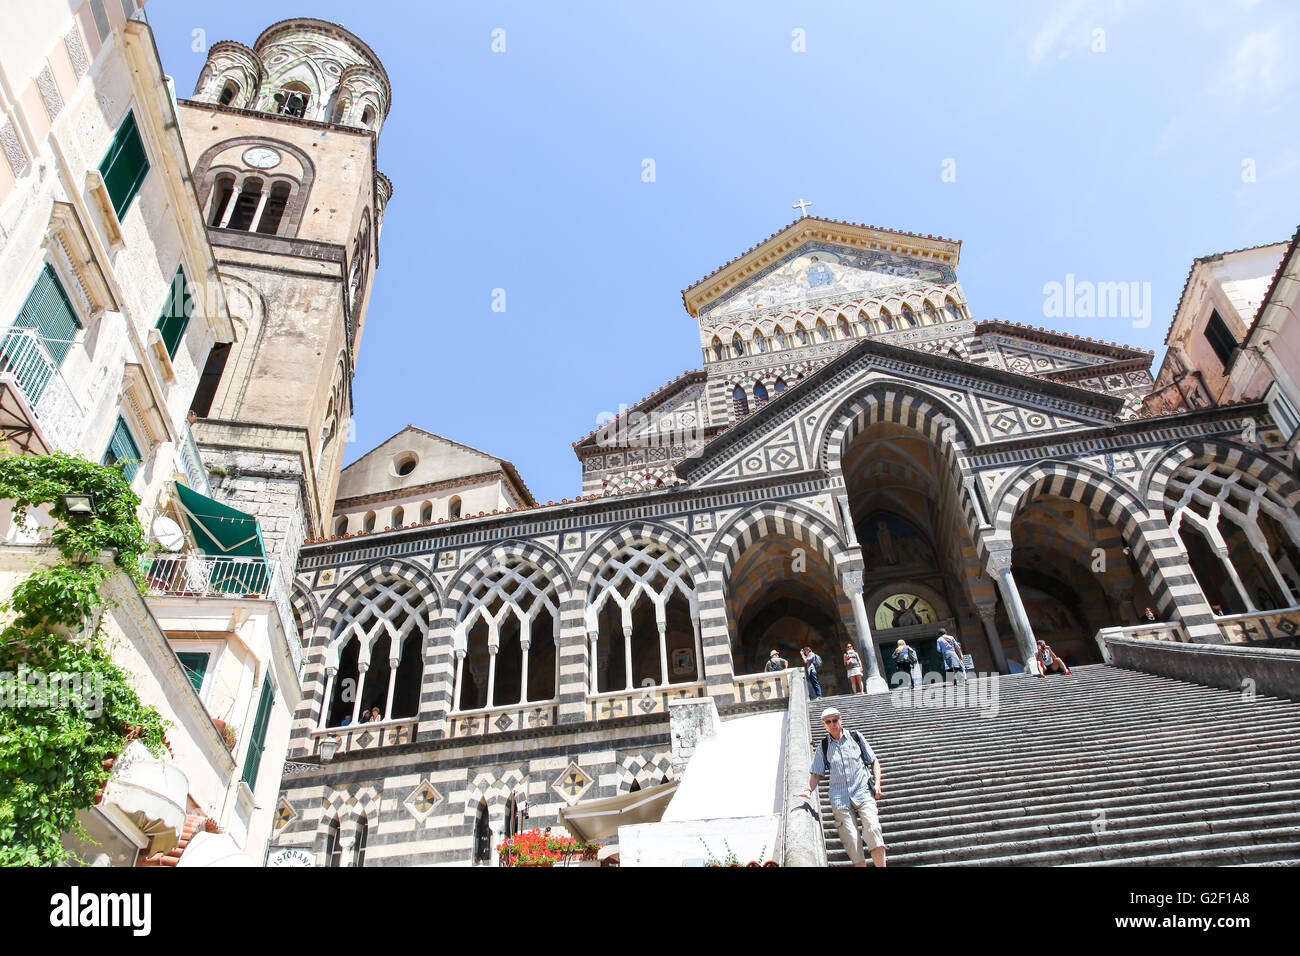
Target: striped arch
[(638, 532), (1156, 480), (351, 589), (307, 610), (494, 554), (914, 408), (778, 517), (1157, 553)]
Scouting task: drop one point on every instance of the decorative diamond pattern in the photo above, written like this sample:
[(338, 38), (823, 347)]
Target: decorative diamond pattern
[(503, 722), (423, 800), (572, 784), (284, 814), (648, 703)]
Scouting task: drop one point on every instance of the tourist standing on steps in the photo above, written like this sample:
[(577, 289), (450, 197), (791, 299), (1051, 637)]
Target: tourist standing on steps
[(812, 664), (906, 661), (854, 773), (952, 662), (854, 665), (775, 662)]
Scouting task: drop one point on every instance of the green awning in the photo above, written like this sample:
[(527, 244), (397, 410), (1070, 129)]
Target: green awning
[(220, 530)]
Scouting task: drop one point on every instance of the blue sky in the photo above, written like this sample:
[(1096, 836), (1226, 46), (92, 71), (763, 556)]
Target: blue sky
[(1112, 156)]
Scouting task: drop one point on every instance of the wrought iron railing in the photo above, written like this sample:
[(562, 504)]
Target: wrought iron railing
[(191, 574)]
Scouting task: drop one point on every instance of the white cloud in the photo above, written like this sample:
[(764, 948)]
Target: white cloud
[(1256, 68)]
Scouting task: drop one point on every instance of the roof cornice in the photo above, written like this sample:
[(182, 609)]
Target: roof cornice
[(849, 234)]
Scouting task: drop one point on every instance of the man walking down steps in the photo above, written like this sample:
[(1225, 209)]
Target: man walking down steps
[(852, 789)]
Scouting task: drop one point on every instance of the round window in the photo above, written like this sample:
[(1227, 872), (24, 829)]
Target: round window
[(404, 465)]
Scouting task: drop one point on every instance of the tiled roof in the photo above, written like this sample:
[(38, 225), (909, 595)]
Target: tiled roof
[(684, 378), (1187, 283), (1277, 277), (195, 823), (996, 325), (833, 222)]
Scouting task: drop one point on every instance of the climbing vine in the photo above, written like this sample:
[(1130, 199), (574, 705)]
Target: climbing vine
[(66, 709)]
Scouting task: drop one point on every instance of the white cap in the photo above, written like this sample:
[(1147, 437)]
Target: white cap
[(830, 712)]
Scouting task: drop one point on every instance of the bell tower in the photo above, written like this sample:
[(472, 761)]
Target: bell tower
[(283, 137)]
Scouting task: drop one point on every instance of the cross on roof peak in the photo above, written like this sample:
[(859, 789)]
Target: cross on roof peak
[(802, 205)]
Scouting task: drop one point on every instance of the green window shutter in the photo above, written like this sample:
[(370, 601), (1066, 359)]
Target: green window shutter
[(50, 313), (195, 666), (125, 165), (257, 743), (122, 448), (176, 313)]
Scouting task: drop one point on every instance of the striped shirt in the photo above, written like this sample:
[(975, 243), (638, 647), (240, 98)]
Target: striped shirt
[(850, 778)]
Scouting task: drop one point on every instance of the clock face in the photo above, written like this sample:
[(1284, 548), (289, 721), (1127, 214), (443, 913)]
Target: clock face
[(263, 157)]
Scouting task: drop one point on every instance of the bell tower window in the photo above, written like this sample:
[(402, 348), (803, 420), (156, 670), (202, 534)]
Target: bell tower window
[(292, 100), (228, 93)]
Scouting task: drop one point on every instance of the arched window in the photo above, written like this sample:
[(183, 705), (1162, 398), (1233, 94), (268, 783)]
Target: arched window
[(426, 511), (644, 612), (273, 211), (333, 848), (760, 344), (739, 403), (823, 332), (341, 526), (246, 206), (453, 507), (292, 100), (717, 349), (368, 117), (738, 345), (340, 110), (363, 830), (375, 658), (908, 320), (221, 191), (228, 93), (399, 516), (954, 312), (845, 331), (482, 835), (778, 338), (800, 334), (510, 629), (886, 320), (931, 316), (369, 524), (760, 395), (779, 386)]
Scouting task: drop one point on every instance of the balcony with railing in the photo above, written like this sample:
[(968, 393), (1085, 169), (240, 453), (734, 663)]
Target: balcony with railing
[(26, 360), (193, 574)]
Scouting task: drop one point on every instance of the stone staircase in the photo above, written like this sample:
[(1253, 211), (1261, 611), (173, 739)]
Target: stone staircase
[(1103, 767)]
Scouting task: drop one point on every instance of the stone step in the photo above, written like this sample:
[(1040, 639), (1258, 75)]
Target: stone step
[(1185, 774)]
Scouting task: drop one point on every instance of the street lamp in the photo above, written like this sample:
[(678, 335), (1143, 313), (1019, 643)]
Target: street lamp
[(79, 506), (328, 748)]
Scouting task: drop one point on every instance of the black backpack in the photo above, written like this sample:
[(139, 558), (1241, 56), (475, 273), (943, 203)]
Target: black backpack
[(862, 747)]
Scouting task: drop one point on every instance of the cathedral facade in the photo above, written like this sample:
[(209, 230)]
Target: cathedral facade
[(861, 459)]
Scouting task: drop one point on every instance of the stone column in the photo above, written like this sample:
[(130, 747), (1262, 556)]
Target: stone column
[(330, 673), (230, 206), (1000, 569), (523, 670), (460, 676), (575, 664), (492, 671), (627, 654), (867, 649), (988, 612), (392, 683), (690, 721), (362, 667), (715, 640)]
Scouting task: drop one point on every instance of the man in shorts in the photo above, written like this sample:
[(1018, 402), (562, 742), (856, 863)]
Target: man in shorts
[(855, 787)]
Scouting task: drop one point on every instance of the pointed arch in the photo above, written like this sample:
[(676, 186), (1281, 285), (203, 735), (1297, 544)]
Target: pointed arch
[(777, 517)]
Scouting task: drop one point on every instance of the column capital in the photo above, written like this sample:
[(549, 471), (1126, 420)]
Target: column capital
[(987, 610), (999, 561), (852, 581)]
